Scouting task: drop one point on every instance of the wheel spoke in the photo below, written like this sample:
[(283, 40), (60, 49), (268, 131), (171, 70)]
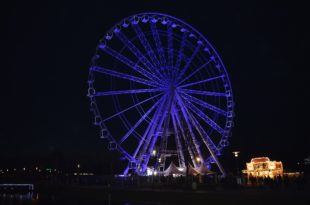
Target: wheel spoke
[(180, 52), (188, 62), (137, 53), (146, 44), (144, 154), (208, 93), (204, 117), (121, 92), (129, 63), (123, 76), (204, 104), (202, 81), (158, 44), (170, 46), (131, 107), (139, 122), (194, 72)]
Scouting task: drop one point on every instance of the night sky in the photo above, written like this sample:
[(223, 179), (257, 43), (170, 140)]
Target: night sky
[(46, 48)]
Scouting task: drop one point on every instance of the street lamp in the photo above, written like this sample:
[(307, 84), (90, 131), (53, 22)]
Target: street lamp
[(236, 155)]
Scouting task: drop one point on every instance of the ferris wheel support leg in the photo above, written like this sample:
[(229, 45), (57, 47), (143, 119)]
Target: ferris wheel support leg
[(208, 146), (187, 143), (178, 142), (205, 137), (144, 155), (185, 111), (166, 124), (151, 147), (125, 173)]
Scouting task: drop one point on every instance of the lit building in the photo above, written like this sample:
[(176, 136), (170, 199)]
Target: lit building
[(263, 167)]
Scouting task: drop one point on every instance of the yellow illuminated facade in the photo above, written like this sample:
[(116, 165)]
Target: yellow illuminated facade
[(263, 167)]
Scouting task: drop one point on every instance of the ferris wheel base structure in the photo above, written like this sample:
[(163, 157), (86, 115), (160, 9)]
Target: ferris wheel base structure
[(161, 96)]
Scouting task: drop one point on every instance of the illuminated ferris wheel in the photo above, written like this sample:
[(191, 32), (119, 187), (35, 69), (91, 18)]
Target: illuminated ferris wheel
[(160, 93)]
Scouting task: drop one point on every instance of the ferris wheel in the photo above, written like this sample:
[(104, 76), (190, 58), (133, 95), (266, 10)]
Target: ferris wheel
[(160, 93)]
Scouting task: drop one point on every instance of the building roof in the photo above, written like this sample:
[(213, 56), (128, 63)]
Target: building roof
[(260, 159)]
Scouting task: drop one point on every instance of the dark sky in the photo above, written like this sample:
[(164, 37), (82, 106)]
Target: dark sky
[(47, 46)]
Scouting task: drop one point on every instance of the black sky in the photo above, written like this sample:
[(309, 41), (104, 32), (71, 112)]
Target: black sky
[(47, 46)]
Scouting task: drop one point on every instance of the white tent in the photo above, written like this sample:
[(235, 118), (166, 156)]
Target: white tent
[(192, 171), (203, 170), (173, 169)]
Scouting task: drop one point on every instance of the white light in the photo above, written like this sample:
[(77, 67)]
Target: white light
[(159, 160), (78, 165), (155, 173), (24, 169), (149, 171), (198, 159), (236, 153), (154, 152)]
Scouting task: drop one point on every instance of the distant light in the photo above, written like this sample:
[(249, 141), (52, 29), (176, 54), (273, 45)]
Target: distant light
[(154, 152), (236, 153), (24, 169), (14, 169), (159, 160), (155, 173), (37, 168), (149, 171), (198, 159), (83, 174), (78, 166)]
